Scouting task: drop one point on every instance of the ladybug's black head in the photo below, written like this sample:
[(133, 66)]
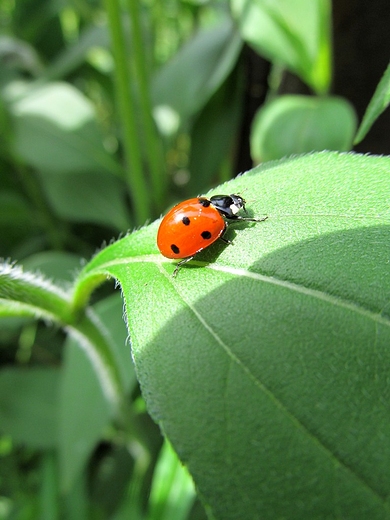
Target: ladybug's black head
[(238, 201), (228, 205)]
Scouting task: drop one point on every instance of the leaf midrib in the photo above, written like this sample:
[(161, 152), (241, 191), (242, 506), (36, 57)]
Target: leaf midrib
[(238, 271)]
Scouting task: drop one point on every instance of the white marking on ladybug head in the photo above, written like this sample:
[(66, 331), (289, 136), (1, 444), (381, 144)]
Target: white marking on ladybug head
[(234, 209)]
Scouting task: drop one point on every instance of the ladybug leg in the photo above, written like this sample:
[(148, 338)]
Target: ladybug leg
[(221, 237), (245, 219), (182, 262), (227, 241)]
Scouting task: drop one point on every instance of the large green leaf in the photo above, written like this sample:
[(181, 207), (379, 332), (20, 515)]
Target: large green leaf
[(266, 363)]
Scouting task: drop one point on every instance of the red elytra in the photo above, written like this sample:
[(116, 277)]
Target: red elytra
[(188, 228), (194, 224)]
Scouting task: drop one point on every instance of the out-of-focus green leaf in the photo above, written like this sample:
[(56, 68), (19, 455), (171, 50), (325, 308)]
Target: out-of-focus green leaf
[(298, 124), (295, 34), (173, 493), (95, 197), (379, 102), (14, 210), (17, 224), (84, 412), (16, 221), (188, 81), (92, 37), (17, 56), (213, 134), (266, 363), (112, 314), (29, 406), (57, 265), (31, 295), (55, 129)]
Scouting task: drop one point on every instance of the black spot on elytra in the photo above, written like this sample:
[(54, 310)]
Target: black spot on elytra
[(175, 249), (205, 202), (186, 221), (206, 235)]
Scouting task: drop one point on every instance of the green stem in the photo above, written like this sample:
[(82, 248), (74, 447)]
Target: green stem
[(25, 294), (152, 144), (49, 501), (136, 181)]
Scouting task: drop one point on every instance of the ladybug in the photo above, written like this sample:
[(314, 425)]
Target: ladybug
[(194, 224)]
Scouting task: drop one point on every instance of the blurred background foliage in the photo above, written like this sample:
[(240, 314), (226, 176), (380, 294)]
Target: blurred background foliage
[(109, 113)]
